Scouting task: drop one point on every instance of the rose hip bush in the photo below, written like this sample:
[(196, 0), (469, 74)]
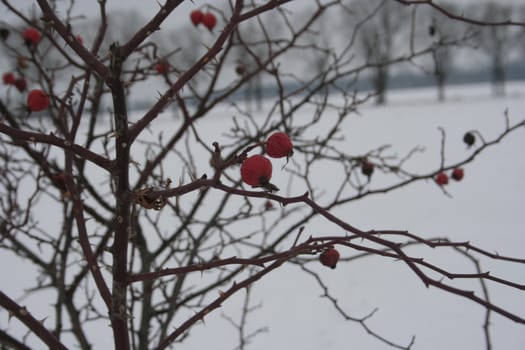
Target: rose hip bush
[(150, 219)]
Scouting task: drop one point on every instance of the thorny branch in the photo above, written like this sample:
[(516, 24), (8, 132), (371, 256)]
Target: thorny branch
[(107, 233)]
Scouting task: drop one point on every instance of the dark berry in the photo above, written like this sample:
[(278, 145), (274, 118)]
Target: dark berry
[(469, 139)]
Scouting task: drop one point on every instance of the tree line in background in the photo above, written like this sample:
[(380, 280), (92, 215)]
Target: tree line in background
[(120, 219), (457, 46)]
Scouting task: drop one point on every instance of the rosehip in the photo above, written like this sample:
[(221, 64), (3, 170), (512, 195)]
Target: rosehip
[(457, 174), (209, 20), (8, 78), (469, 139), (196, 17), (80, 40), (329, 257), (31, 36), (441, 179), (162, 67), (279, 145), (37, 100), (367, 168), (59, 180), (256, 171), (20, 84)]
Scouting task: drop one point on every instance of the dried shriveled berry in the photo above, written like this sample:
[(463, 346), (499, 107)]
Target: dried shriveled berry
[(279, 145), (37, 100), (22, 62), (367, 168), (20, 84), (240, 69), (256, 171), (329, 257), (457, 174), (441, 179), (469, 139), (59, 179)]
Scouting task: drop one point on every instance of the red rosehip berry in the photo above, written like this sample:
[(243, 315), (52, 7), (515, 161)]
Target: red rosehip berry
[(329, 258), (20, 84), (209, 20), (441, 179), (31, 36), (196, 17), (279, 145), (367, 168), (37, 100), (8, 78), (162, 67), (256, 171), (457, 174), (80, 40)]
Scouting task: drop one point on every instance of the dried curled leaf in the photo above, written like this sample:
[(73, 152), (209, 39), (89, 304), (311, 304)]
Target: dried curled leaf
[(141, 197)]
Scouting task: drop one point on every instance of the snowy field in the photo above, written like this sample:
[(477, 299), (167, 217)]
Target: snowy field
[(486, 208)]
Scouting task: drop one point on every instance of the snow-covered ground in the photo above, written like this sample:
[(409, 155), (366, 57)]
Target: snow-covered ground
[(486, 208)]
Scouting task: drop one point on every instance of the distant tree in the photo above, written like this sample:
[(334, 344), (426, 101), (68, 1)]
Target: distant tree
[(448, 35), (150, 225), (496, 42), (247, 63), (378, 37), (252, 52)]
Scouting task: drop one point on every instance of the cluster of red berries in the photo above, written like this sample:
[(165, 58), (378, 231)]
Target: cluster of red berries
[(442, 178), (457, 173), (256, 170), (208, 19), (31, 37), (37, 100), (19, 83)]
